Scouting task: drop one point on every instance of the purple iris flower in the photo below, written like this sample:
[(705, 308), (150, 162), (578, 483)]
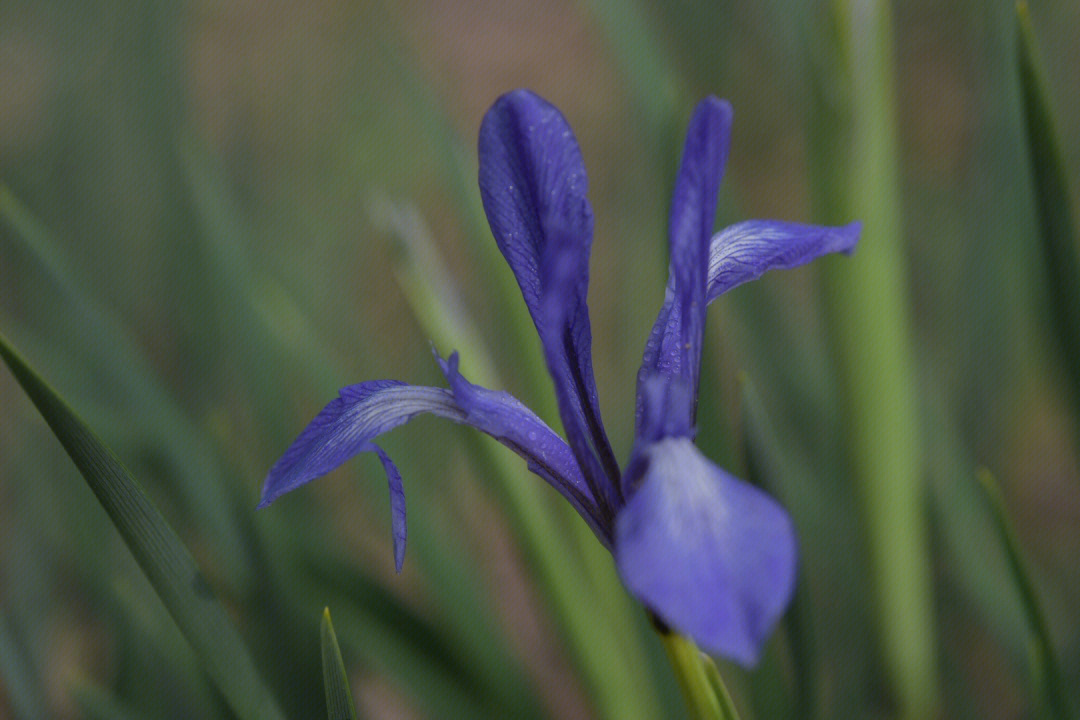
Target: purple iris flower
[(710, 555)]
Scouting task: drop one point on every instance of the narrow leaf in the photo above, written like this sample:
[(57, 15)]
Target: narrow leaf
[(18, 677), (761, 448), (97, 703), (704, 691), (163, 558), (1047, 672), (339, 700), (106, 349), (870, 321), (1057, 225)]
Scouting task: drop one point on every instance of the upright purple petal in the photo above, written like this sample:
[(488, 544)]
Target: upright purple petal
[(533, 186), (712, 556), (666, 403), (398, 526), (747, 250), (350, 423), (674, 346)]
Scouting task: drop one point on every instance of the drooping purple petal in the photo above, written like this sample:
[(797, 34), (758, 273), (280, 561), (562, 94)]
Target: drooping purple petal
[(747, 250), (350, 423), (674, 345), (533, 186), (398, 526), (347, 425), (503, 417), (712, 556)]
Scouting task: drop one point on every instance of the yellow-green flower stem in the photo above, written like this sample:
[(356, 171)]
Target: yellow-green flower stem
[(700, 682)]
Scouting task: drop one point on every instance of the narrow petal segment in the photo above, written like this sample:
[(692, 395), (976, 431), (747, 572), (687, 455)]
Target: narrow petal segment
[(534, 190), (747, 250), (674, 346), (398, 526), (712, 556)]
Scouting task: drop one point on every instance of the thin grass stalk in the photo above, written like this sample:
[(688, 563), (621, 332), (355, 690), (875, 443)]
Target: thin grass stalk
[(871, 327)]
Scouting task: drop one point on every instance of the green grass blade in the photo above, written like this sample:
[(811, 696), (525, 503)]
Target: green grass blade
[(167, 563), (1057, 224), (712, 676), (92, 331), (871, 326), (97, 703), (339, 700), (17, 676), (1047, 670), (761, 448), (704, 691), (657, 89)]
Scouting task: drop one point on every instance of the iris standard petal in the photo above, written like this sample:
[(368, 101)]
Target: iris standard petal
[(533, 186), (674, 345), (746, 250), (666, 403), (712, 556)]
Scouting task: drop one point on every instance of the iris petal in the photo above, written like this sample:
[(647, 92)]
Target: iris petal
[(506, 419), (747, 250), (398, 526), (350, 423), (674, 345), (533, 186), (712, 556)]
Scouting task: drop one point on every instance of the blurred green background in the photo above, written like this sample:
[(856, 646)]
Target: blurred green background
[(214, 215)]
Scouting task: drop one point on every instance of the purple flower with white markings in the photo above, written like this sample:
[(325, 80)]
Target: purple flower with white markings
[(710, 555)]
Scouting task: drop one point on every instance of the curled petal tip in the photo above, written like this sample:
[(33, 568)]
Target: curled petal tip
[(716, 105), (851, 233)]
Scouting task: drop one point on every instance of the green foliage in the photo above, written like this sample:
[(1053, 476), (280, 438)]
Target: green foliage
[(171, 570), (339, 701), (1043, 655), (706, 696), (211, 218), (1057, 225), (871, 325)]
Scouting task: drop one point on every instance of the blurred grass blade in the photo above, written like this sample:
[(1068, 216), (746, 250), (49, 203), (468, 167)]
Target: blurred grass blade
[(133, 385), (339, 700), (871, 327), (1047, 671), (657, 88), (167, 563), (1057, 224), (761, 447), (97, 703), (712, 675), (17, 676), (704, 691)]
